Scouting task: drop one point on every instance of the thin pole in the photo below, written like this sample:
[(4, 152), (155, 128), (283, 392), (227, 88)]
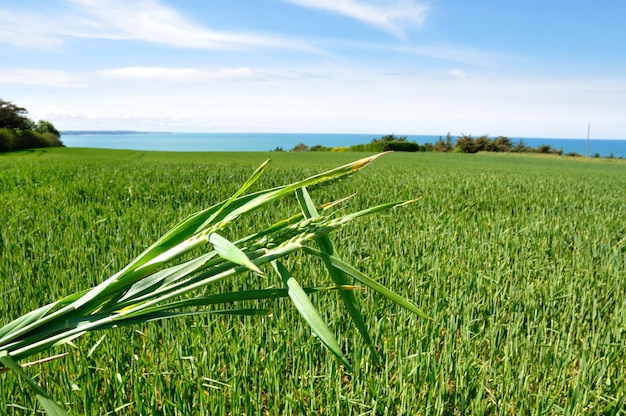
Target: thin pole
[(587, 150)]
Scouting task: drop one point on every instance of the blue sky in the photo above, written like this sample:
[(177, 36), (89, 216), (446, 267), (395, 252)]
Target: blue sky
[(521, 69)]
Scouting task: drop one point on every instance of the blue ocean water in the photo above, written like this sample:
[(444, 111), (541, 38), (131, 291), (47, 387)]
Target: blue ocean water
[(220, 142)]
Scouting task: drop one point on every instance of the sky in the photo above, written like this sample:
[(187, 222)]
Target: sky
[(532, 68)]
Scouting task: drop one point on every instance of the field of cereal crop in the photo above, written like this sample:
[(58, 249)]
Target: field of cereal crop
[(520, 261)]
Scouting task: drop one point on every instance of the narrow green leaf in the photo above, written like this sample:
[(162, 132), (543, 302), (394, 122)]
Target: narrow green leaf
[(157, 316), (25, 320), (309, 313), (306, 203), (229, 251), (227, 297), (49, 405), (332, 204), (251, 180), (375, 209), (348, 298), (165, 276), (388, 293), (283, 191)]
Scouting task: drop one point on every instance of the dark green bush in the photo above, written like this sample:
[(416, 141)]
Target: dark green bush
[(18, 132), (399, 146), (319, 148), (7, 140)]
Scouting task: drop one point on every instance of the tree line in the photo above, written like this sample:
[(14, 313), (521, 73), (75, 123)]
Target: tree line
[(18, 132), (462, 144)]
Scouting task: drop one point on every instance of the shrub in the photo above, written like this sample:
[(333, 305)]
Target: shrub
[(400, 146), (500, 144), (547, 149), (300, 147), (27, 139), (521, 147), (319, 148), (441, 145), (7, 140), (466, 144)]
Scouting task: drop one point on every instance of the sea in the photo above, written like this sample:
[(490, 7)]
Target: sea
[(259, 142)]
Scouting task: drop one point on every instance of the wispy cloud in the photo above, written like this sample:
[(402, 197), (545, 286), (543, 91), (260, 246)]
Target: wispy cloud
[(393, 16), (460, 53), (138, 20), (176, 74), (456, 74), (39, 77), (67, 79), (25, 29)]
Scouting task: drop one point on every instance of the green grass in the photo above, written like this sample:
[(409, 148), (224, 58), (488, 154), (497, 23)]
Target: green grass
[(521, 261)]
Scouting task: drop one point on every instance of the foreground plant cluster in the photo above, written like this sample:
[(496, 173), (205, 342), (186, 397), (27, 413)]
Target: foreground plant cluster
[(161, 282), (519, 261)]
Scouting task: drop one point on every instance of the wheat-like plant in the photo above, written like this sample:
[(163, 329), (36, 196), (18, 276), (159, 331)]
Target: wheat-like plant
[(164, 281)]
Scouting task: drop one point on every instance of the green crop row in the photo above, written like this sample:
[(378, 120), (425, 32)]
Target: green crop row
[(519, 260)]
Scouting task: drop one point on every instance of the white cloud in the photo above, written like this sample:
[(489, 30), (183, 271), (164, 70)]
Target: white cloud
[(39, 77), (392, 15), (139, 20), (461, 53), (456, 74), (63, 79), (176, 74), (332, 99), (26, 30)]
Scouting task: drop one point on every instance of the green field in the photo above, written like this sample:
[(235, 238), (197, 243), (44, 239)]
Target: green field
[(520, 260)]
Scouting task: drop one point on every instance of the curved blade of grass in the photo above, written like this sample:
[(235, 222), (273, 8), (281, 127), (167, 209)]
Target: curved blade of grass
[(229, 251), (157, 316), (231, 297), (251, 180), (284, 191), (25, 320), (32, 363), (372, 284), (349, 300), (162, 277), (49, 405), (309, 313), (375, 209)]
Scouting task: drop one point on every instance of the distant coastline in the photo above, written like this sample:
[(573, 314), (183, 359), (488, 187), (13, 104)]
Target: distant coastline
[(108, 132), (247, 142)]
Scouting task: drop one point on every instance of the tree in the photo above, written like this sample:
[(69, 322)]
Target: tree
[(390, 138), (300, 147), (393, 143), (521, 147), (400, 146), (482, 143), (466, 144), (443, 146), (13, 117), (500, 144), (44, 126), (547, 149), (18, 132)]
